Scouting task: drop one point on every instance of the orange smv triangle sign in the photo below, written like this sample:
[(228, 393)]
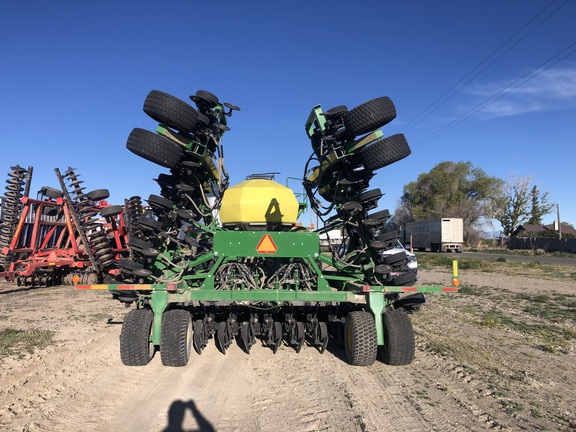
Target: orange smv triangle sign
[(266, 245)]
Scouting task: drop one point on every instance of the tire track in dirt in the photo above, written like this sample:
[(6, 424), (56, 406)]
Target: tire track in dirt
[(47, 391)]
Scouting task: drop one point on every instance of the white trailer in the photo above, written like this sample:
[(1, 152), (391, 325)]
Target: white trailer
[(437, 235)]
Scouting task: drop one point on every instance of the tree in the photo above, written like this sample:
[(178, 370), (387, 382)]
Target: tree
[(541, 206), (519, 204), (451, 189)]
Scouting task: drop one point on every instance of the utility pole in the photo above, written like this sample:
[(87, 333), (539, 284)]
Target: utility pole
[(559, 226)]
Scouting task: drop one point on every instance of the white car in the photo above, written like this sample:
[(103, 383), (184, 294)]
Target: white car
[(397, 247)]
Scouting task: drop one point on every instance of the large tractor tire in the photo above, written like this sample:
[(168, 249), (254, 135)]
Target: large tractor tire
[(399, 346), (176, 337), (369, 116), (384, 152), (171, 111), (136, 349), (360, 339), (154, 147)]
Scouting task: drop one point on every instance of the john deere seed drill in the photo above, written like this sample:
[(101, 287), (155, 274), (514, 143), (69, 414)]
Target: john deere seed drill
[(208, 261)]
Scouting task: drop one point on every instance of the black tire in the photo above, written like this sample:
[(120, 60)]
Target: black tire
[(387, 236), (335, 112), (360, 340), (399, 346), (403, 279), (136, 349), (166, 180), (171, 111), (206, 99), (138, 244), (382, 214), (111, 211), (176, 337), (51, 192), (384, 152), (154, 148), (98, 194), (371, 195), (161, 202), (394, 258), (369, 116), (129, 266), (375, 219), (149, 223)]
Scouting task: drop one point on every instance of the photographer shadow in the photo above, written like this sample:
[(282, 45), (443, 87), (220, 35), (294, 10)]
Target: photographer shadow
[(176, 415)]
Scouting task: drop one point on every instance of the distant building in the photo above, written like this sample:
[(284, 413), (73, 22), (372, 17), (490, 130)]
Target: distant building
[(528, 230)]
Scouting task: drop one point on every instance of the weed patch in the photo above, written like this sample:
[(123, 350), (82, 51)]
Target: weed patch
[(17, 342), (550, 338), (499, 265)]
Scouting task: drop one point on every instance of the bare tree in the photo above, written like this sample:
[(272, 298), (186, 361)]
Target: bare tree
[(520, 203)]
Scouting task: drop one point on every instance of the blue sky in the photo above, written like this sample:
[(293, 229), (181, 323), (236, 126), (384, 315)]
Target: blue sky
[(74, 76)]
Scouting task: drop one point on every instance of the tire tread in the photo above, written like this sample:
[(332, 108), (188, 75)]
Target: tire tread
[(134, 338), (399, 345)]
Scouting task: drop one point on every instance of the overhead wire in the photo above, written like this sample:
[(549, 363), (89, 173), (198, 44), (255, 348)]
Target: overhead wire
[(533, 73), (439, 101)]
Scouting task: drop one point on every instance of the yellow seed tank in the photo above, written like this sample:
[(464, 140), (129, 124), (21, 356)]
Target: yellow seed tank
[(259, 204)]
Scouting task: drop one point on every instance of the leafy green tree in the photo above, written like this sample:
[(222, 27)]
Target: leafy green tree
[(451, 189)]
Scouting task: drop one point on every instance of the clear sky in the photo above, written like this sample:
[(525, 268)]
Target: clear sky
[(74, 76)]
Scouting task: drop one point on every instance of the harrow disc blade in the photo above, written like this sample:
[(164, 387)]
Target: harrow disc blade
[(276, 335), (198, 339), (247, 336), (222, 339), (300, 335), (321, 339)]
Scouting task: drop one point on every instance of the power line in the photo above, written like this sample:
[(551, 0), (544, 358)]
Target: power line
[(437, 104), (500, 94)]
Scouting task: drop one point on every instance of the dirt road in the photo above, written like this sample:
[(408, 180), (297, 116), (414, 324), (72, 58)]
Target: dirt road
[(469, 375)]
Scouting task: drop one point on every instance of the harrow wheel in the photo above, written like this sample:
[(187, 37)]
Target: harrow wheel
[(154, 148), (205, 98), (136, 348), (407, 278), (176, 337), (360, 340), (51, 192), (150, 224), (159, 202), (392, 259), (399, 347), (98, 194), (111, 211)]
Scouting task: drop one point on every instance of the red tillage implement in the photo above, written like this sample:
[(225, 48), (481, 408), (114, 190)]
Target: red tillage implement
[(57, 237)]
